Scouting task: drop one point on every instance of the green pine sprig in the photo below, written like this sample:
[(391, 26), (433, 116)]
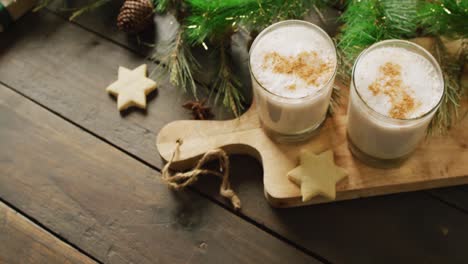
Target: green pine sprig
[(91, 6), (365, 22), (227, 87), (369, 21), (175, 59), (76, 12), (42, 4), (444, 17), (161, 6), (211, 19), (452, 70)]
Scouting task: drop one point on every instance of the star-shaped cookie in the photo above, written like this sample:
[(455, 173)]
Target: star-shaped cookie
[(131, 87), (317, 175)]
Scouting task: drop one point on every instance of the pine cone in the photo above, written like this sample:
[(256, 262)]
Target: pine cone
[(135, 15)]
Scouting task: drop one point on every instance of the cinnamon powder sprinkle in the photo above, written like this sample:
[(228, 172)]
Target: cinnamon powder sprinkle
[(390, 83), (308, 66)]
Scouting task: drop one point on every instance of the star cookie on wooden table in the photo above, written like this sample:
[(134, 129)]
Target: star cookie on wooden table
[(317, 175), (131, 87)]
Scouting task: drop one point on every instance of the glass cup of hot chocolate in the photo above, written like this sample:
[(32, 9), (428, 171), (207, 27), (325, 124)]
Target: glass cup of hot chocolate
[(396, 88), (292, 65)]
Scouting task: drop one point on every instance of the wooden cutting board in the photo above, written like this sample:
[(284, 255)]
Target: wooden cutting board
[(439, 161)]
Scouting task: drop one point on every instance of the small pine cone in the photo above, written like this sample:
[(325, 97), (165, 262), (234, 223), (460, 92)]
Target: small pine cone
[(135, 15)]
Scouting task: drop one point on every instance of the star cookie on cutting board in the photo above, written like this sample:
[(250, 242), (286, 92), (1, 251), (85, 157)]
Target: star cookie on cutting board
[(131, 87), (317, 175)]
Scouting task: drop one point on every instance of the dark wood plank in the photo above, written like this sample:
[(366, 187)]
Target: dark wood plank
[(112, 206), (457, 197), (102, 21), (24, 242), (63, 59), (400, 228), (359, 231)]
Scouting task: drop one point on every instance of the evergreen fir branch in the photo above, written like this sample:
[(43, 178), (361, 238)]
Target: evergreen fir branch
[(227, 86), (444, 17), (91, 6), (75, 11), (175, 59), (211, 19), (41, 4), (367, 22), (176, 6), (452, 69), (361, 28), (161, 6), (398, 18)]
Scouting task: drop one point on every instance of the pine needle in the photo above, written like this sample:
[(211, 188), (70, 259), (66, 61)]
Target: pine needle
[(41, 4), (226, 86), (367, 22), (161, 6), (452, 69), (212, 19), (76, 11), (88, 7), (444, 17), (175, 59)]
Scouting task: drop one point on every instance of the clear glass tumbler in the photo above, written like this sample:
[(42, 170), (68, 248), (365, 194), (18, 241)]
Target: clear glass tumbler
[(292, 119), (378, 139)]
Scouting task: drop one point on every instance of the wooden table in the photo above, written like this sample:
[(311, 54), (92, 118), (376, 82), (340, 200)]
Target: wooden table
[(80, 183)]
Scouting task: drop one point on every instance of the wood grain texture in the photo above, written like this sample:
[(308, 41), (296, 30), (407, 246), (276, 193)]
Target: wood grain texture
[(112, 206), (437, 162), (102, 21), (62, 59), (240, 136), (24, 242), (69, 68)]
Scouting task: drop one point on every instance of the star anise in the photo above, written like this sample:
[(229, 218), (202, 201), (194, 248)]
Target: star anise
[(199, 110)]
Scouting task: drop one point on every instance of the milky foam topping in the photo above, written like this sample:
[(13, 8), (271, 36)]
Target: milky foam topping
[(398, 82), (293, 60)]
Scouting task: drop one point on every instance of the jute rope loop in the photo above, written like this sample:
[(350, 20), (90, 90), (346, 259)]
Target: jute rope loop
[(182, 179)]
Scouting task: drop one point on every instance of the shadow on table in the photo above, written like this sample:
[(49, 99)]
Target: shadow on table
[(385, 229), (26, 30)]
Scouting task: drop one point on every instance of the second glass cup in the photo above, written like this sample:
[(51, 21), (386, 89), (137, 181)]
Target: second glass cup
[(292, 65), (396, 88)]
